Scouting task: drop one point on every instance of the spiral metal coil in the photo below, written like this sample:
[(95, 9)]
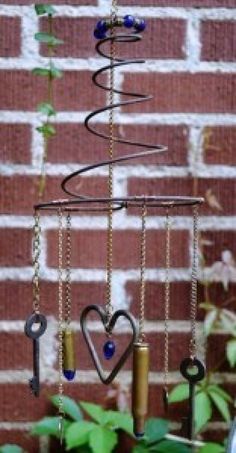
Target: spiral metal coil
[(83, 202)]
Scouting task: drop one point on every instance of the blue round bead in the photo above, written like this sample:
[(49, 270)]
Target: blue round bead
[(129, 21), (99, 34), (101, 26), (109, 349), (139, 435), (140, 24), (69, 374)]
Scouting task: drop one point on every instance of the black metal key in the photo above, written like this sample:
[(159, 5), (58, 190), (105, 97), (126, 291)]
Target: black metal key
[(41, 322), (186, 366)]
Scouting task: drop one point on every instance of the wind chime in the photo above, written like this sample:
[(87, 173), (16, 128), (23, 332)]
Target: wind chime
[(191, 367)]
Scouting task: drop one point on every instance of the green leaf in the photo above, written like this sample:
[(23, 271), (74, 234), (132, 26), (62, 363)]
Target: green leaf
[(102, 440), (231, 352), (47, 130), (217, 389), (11, 448), (41, 72), (169, 446), (95, 411), (155, 429), (47, 426), (119, 420), (47, 38), (55, 73), (203, 410), (69, 406), (44, 9), (221, 405), (212, 448), (46, 108), (207, 306), (209, 321), (78, 433), (179, 393), (140, 448)]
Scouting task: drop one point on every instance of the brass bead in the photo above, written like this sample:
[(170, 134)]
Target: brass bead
[(140, 387), (68, 353)]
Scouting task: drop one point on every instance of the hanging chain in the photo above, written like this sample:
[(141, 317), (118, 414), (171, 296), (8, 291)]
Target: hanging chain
[(142, 275), (167, 301), (109, 307), (193, 302), (68, 270), (60, 322), (36, 264)]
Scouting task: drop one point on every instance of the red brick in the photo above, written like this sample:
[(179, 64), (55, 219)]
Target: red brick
[(28, 185), (219, 145), (12, 395), (20, 438), (223, 189), (218, 43), (216, 358), (10, 43), (90, 250), (11, 291), (15, 143), (15, 246), (77, 34), (178, 344), (16, 351), (154, 297), (181, 3), (74, 91), (83, 147), (221, 240), (184, 92)]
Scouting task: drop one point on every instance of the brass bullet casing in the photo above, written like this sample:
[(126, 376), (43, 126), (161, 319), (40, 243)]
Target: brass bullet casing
[(140, 387), (69, 368)]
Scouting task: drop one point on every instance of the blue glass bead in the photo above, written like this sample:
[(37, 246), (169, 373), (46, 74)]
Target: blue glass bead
[(140, 24), (99, 34), (129, 21), (69, 374), (109, 349), (101, 26), (139, 435)]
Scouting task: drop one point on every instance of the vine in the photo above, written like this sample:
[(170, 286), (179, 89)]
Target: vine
[(51, 72)]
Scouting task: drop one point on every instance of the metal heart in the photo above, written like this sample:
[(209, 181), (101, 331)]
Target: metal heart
[(108, 326)]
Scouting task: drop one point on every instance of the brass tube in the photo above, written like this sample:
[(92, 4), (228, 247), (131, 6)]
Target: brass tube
[(69, 367), (140, 387)]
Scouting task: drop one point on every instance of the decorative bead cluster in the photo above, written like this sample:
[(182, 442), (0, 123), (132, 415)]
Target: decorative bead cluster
[(128, 21)]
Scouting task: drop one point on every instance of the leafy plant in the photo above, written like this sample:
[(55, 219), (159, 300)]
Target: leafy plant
[(46, 108), (10, 448)]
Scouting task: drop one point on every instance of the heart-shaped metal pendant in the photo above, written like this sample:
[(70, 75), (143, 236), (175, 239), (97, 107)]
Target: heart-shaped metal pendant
[(108, 326)]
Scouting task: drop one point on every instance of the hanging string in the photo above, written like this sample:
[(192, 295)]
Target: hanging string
[(60, 326), (194, 277), (142, 274), (36, 264), (67, 316), (167, 303)]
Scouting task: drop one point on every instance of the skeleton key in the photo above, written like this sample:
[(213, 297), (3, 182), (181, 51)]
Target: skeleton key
[(186, 366), (35, 318)]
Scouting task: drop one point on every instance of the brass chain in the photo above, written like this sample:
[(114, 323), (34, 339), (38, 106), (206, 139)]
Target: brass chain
[(167, 301), (60, 323), (109, 265), (142, 274), (36, 263), (194, 277), (68, 270)]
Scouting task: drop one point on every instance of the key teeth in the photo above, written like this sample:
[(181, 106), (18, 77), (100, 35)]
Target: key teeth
[(34, 387)]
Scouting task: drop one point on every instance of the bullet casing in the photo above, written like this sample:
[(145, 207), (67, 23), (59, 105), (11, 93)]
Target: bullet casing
[(68, 350), (140, 387)]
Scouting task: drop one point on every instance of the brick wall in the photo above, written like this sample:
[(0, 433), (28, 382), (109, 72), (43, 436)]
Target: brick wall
[(190, 69)]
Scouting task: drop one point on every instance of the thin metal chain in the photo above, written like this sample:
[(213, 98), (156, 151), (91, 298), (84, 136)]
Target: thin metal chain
[(142, 274), (36, 264), (167, 300), (193, 302), (60, 322), (109, 266), (68, 270)]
